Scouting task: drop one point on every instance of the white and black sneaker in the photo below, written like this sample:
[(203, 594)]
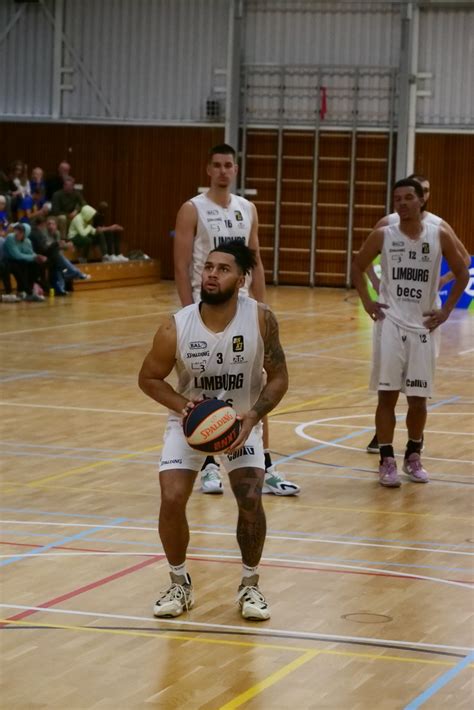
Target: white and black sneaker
[(252, 603), (276, 484), (178, 598)]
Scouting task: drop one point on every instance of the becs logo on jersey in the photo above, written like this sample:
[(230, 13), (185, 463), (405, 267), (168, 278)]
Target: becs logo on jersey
[(425, 248), (238, 344), (238, 216)]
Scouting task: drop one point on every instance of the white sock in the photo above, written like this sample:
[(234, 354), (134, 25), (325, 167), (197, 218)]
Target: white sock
[(179, 570), (248, 571)]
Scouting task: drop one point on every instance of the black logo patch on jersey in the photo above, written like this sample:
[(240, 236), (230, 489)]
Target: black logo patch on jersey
[(238, 344), (425, 248), (238, 216), (197, 345)]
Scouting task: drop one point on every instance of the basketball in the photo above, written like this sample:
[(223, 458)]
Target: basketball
[(211, 426)]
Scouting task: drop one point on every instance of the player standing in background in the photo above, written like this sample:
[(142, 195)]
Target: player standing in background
[(205, 222), (405, 315)]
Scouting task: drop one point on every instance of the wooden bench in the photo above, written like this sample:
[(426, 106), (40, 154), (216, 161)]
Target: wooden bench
[(112, 275)]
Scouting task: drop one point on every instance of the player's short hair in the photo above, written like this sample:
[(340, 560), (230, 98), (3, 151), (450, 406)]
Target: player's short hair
[(223, 149), (245, 258), (417, 176), (410, 182)]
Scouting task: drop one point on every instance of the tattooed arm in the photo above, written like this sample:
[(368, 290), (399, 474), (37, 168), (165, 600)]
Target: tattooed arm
[(277, 376)]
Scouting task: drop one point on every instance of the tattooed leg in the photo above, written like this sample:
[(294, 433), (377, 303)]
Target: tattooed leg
[(251, 526)]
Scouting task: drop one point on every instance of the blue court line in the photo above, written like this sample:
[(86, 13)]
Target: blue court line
[(63, 541), (231, 528), (440, 683), (354, 434)]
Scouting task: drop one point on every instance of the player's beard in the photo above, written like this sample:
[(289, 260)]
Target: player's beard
[(217, 297)]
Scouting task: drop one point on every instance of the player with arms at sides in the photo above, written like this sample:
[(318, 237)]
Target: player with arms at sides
[(218, 348), (203, 223), (427, 217), (405, 316)]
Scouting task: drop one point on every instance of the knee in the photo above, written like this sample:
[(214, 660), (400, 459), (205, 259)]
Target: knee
[(173, 501)]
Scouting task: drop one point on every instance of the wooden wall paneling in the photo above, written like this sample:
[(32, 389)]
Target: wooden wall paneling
[(447, 160)]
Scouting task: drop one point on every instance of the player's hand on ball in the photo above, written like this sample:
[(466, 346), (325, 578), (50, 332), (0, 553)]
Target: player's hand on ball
[(247, 423), (188, 406)]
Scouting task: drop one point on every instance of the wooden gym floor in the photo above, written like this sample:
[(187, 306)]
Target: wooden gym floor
[(370, 589)]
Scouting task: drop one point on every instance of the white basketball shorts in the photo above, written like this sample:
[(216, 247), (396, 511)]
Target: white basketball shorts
[(402, 360), (178, 454)]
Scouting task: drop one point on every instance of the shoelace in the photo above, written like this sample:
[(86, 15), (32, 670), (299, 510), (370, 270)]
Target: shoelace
[(252, 595), (213, 475), (176, 591)]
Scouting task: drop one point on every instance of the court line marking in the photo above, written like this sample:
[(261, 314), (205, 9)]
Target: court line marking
[(252, 630), (63, 541), (222, 533), (465, 352), (324, 398), (296, 562), (440, 683), (89, 467), (324, 445), (300, 431), (270, 680), (228, 527), (84, 322), (11, 403), (207, 556), (426, 431)]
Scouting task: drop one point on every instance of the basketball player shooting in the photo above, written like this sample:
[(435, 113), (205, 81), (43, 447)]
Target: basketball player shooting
[(405, 316), (225, 334)]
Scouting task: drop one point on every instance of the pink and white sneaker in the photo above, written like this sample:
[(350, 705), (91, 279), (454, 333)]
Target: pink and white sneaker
[(414, 469), (388, 474)]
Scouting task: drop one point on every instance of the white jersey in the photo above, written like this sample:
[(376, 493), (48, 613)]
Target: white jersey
[(225, 365), (410, 275), (427, 217), (218, 225)]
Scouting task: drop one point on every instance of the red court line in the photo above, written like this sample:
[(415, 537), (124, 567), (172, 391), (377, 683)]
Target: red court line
[(85, 588), (157, 558)]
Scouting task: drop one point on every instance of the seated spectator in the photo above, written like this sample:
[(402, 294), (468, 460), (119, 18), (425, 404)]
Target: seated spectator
[(23, 263), (56, 182), (112, 234), (38, 189), (4, 221), (65, 271), (83, 234), (67, 203), (8, 296)]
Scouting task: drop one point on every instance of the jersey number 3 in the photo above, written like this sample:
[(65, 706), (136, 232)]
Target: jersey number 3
[(220, 359)]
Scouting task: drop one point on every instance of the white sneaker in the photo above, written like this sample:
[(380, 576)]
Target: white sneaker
[(277, 485), (178, 598), (107, 258), (121, 257), (211, 481), (252, 603), (10, 298)]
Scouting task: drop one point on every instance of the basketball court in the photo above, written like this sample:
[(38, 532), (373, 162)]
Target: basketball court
[(370, 588)]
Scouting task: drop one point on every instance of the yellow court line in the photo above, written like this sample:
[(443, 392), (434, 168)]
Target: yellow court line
[(82, 489), (318, 400), (92, 466), (268, 682), (226, 642)]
